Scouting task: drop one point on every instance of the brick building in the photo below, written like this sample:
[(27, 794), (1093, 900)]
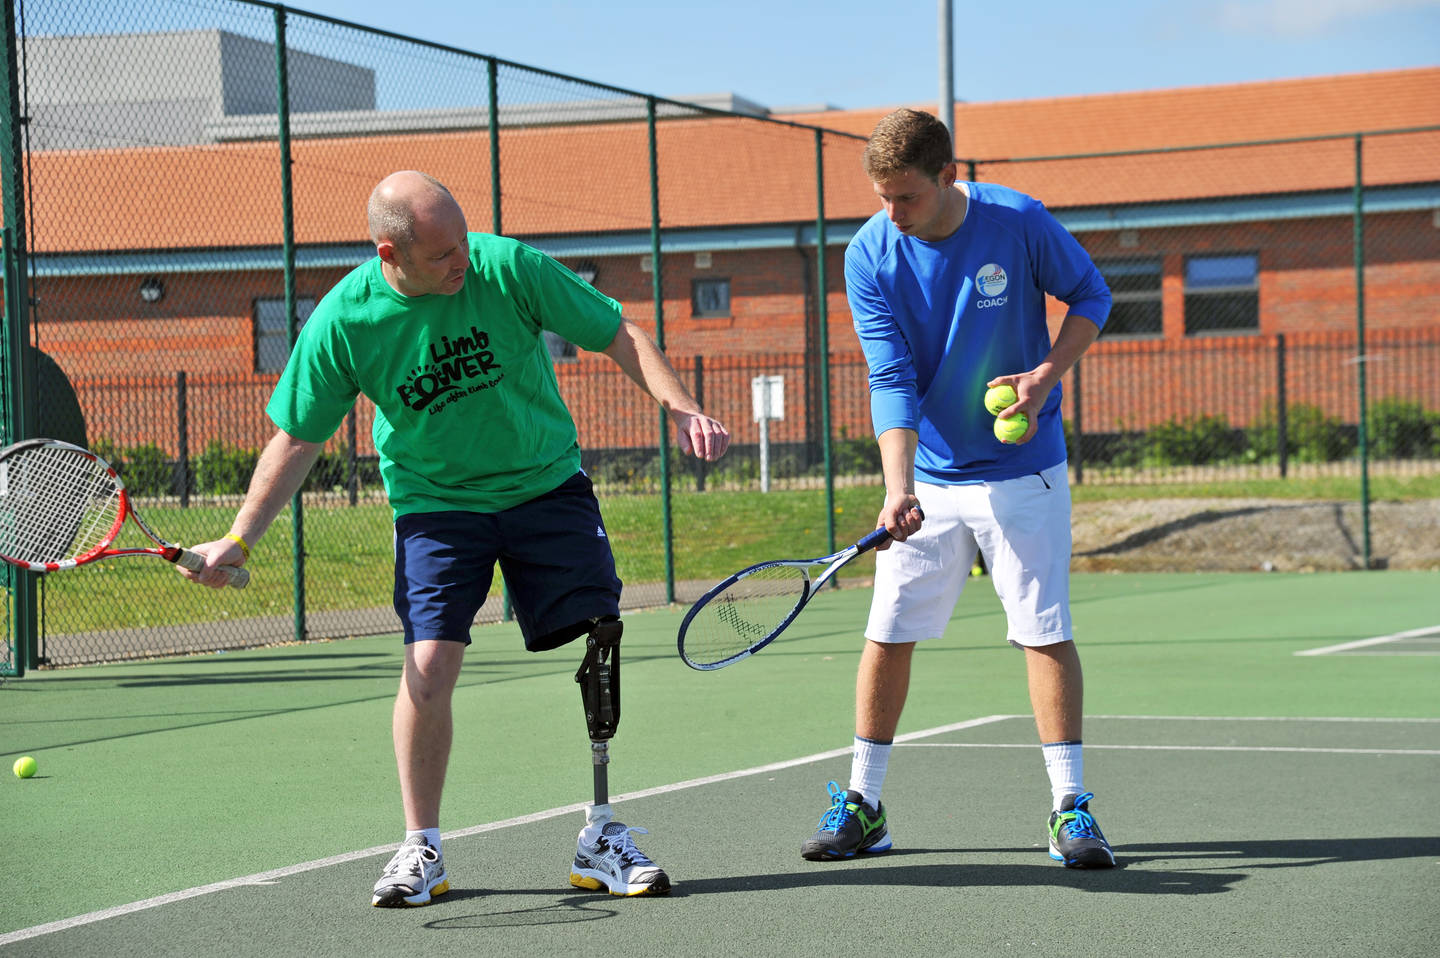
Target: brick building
[(169, 258)]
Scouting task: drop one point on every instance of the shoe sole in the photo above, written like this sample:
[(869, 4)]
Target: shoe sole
[(384, 900), (1107, 862), (594, 881), (824, 854)]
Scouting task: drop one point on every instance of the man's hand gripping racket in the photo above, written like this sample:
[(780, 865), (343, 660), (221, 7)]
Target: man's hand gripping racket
[(62, 507), (747, 611)]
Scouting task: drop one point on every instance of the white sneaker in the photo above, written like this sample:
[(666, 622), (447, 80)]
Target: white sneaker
[(414, 876), (616, 865)]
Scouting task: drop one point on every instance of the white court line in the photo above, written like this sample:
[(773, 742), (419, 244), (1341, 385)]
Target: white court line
[(1377, 640), (1256, 718), (1201, 748), (267, 877)]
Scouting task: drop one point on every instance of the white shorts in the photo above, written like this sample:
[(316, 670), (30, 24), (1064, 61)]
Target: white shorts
[(1021, 526)]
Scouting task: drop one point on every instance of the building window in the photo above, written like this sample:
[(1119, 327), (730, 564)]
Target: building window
[(1222, 294), (561, 349), (272, 346), (710, 297), (1135, 308)]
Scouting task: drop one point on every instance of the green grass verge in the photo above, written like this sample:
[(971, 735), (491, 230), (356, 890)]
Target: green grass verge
[(349, 554)]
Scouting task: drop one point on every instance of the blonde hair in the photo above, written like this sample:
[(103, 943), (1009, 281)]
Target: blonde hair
[(907, 140)]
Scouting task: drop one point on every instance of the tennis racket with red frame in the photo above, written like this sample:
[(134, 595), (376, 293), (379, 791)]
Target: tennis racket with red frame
[(62, 506)]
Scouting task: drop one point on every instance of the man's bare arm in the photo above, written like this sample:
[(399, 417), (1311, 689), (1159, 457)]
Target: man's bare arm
[(636, 353), (901, 512), (278, 475)]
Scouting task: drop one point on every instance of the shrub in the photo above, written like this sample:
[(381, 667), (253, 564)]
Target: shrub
[(1316, 437), (1397, 429), (107, 450), (1263, 435), (1194, 441), (222, 470), (855, 456), (1311, 435), (627, 467), (331, 471), (146, 470), (1124, 450)]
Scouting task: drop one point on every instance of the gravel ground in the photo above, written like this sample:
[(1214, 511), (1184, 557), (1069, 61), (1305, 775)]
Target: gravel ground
[(1252, 534)]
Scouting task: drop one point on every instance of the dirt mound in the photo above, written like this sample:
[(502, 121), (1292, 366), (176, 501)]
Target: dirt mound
[(1251, 534)]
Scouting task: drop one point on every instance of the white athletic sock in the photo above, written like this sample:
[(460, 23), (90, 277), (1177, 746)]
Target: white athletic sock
[(596, 817), (868, 764), (431, 836), (1065, 764)]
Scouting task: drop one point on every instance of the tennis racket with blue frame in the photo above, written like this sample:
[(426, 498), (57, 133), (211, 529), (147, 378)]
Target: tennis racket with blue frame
[(747, 611)]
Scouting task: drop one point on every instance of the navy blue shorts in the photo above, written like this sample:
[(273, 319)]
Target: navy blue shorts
[(553, 552)]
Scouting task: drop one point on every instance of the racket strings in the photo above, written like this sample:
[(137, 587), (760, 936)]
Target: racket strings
[(55, 504), (749, 611)]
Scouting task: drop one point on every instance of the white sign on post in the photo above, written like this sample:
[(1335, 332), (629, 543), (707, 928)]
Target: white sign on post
[(767, 399)]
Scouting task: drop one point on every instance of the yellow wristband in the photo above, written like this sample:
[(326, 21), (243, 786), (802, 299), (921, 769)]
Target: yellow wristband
[(244, 546)]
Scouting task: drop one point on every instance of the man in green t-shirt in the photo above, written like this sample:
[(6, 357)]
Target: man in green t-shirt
[(443, 331)]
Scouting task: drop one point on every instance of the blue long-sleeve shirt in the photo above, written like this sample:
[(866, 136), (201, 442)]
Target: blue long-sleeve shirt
[(938, 320)]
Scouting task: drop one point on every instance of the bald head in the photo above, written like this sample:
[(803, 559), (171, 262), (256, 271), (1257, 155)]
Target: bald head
[(420, 234), (402, 199)]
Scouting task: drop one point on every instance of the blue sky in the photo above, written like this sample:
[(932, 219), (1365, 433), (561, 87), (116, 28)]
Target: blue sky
[(866, 54)]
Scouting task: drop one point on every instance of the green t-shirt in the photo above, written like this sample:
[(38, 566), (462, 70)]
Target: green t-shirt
[(468, 412)]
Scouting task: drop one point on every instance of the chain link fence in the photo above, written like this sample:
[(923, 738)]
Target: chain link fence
[(190, 178)]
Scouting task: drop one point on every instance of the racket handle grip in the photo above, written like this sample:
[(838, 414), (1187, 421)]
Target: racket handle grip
[(878, 536), (238, 578), (872, 540)]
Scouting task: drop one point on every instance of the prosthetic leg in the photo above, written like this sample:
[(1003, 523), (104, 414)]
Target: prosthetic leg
[(606, 856), (599, 679)]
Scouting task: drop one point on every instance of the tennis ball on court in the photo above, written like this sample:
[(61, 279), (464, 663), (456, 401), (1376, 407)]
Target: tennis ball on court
[(1000, 397), (24, 767), (1009, 430)]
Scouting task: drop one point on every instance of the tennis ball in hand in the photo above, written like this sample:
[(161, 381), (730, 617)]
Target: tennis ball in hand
[(1000, 397), (24, 767), (1010, 430)]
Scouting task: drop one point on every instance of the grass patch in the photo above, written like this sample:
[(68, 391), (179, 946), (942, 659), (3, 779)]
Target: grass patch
[(349, 562)]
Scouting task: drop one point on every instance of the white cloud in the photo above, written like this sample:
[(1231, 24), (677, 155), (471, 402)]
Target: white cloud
[(1304, 17)]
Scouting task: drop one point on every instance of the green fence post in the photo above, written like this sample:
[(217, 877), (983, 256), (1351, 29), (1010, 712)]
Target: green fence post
[(823, 338), (1282, 408), (1360, 346), (657, 288), (282, 109), (492, 83), (18, 370), (23, 619)]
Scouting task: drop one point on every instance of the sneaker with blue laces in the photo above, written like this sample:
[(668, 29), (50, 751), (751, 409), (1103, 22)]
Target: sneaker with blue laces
[(1075, 836), (848, 826)]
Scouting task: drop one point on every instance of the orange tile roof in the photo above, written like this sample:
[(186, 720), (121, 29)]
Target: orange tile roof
[(1183, 116), (718, 171)]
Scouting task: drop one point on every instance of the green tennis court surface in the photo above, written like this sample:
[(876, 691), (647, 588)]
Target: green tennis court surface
[(1263, 749)]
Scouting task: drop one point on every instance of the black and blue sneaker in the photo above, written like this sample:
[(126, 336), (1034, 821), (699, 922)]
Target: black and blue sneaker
[(1075, 836), (848, 826)]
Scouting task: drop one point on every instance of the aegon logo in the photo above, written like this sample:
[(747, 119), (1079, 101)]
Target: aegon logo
[(991, 280)]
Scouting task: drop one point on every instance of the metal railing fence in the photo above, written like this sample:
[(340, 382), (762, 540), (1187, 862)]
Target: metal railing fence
[(184, 180)]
